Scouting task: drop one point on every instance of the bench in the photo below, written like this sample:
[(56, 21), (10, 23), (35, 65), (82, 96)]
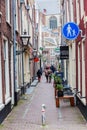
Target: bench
[(70, 97)]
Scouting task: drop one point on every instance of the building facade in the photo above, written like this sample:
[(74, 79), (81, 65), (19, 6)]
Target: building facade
[(5, 58), (76, 11), (18, 40)]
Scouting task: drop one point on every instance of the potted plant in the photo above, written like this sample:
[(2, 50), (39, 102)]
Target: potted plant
[(58, 86), (59, 90)]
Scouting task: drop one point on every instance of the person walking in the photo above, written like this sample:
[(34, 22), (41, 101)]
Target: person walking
[(46, 74), (39, 73), (49, 75)]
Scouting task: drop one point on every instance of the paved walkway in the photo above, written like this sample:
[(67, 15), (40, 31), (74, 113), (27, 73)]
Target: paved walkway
[(27, 114)]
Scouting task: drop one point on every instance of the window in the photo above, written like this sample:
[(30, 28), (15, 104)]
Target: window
[(7, 3), (25, 2), (52, 52), (6, 68), (53, 22), (78, 11), (16, 14), (52, 61), (82, 7)]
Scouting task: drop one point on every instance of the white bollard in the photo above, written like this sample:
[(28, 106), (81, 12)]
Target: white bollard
[(43, 115)]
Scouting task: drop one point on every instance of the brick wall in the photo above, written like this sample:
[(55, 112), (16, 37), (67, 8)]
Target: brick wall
[(7, 32)]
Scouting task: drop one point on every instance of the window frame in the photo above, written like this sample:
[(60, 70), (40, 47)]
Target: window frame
[(7, 5), (53, 22), (6, 61)]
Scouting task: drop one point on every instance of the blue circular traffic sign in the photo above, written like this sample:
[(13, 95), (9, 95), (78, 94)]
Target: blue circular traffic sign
[(70, 30)]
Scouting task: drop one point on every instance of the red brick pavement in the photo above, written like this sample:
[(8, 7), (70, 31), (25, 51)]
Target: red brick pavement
[(27, 114)]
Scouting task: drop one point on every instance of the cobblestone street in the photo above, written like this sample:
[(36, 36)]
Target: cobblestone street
[(27, 114)]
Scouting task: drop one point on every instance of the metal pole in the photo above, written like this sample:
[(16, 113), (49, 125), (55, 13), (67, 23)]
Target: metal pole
[(21, 18), (40, 62), (14, 51), (22, 48), (22, 68)]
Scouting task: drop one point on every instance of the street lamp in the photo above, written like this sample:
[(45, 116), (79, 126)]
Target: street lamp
[(25, 38), (34, 53), (14, 50), (25, 42)]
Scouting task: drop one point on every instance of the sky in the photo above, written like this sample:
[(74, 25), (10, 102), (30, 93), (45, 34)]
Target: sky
[(51, 6)]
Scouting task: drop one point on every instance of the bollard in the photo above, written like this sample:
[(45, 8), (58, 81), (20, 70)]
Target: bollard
[(43, 115)]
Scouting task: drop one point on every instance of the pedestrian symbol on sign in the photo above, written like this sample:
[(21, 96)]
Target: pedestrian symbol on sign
[(70, 31)]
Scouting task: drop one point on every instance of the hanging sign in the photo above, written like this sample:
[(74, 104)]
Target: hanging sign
[(64, 52)]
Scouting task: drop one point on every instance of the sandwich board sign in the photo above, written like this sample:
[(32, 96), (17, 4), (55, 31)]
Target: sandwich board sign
[(70, 30)]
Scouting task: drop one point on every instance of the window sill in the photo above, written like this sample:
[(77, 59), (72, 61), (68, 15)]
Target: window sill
[(1, 106), (18, 90), (7, 100), (9, 24)]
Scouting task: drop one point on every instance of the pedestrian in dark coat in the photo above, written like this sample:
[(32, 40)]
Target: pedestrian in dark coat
[(39, 73), (49, 75)]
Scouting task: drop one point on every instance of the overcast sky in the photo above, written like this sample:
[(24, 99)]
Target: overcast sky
[(51, 6)]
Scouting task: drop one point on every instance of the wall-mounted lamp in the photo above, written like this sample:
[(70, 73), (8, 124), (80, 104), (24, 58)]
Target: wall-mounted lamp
[(27, 6), (25, 41), (34, 53)]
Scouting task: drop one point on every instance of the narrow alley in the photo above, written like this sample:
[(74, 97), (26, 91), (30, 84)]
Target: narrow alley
[(27, 114)]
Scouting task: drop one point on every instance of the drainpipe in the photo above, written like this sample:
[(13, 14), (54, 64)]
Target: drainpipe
[(22, 46), (23, 68), (14, 50)]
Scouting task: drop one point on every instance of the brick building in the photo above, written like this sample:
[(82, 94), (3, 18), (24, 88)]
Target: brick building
[(17, 21), (5, 59), (76, 11)]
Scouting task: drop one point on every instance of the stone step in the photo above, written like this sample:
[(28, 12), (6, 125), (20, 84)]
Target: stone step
[(34, 83)]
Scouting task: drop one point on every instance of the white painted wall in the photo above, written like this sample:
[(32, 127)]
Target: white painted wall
[(83, 72)]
